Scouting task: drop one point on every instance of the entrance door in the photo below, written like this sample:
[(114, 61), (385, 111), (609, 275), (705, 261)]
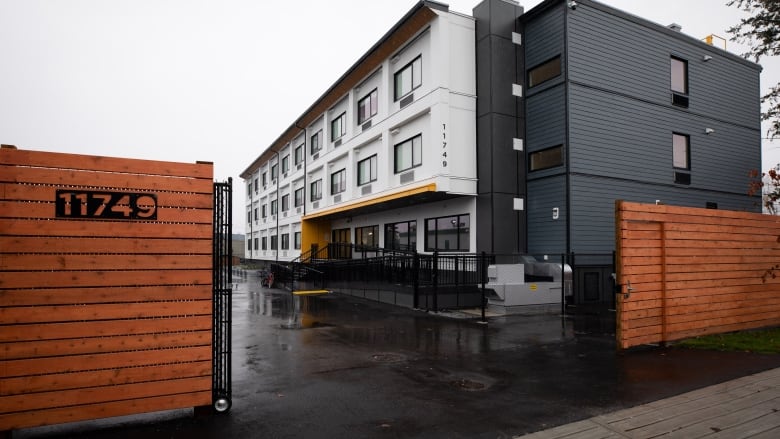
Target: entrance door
[(341, 244)]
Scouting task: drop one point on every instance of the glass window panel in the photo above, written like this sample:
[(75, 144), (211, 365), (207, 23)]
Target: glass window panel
[(681, 151), (679, 71), (544, 72)]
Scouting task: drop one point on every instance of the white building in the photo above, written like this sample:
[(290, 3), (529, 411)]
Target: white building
[(385, 158)]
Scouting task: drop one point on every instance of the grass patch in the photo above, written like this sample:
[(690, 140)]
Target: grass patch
[(763, 341)]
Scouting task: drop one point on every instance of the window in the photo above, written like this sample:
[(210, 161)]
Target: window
[(401, 236), (366, 172), (265, 210), (256, 185), (544, 72), (273, 207), (274, 242), (408, 78), (299, 155), (679, 82), (255, 243), (274, 172), (449, 233), (338, 127), (249, 244), (368, 106), (297, 240), (285, 163), (249, 188), (316, 146), (255, 213), (408, 154), (299, 196), (285, 202), (249, 216), (265, 242), (338, 182), (316, 190), (285, 241), (367, 236), (265, 178), (546, 158), (681, 145)]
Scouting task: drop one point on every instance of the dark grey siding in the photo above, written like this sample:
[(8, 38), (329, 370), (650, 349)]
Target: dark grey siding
[(611, 50), (545, 119), (545, 234), (617, 136), (593, 207), (544, 37)]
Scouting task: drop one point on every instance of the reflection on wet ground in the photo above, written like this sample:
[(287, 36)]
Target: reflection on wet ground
[(337, 366)]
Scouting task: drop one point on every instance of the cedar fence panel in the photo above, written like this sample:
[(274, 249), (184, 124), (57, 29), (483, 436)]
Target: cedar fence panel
[(105, 306), (686, 272)]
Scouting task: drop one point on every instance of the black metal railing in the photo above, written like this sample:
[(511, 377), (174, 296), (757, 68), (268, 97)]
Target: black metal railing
[(222, 283)]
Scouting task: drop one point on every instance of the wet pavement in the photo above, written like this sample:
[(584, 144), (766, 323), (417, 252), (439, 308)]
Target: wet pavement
[(341, 367)]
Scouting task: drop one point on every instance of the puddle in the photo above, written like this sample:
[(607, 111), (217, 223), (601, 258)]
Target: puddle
[(294, 312)]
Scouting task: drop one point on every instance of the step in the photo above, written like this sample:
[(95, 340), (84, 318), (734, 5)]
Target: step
[(310, 292)]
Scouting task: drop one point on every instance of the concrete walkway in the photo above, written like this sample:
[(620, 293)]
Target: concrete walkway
[(747, 407)]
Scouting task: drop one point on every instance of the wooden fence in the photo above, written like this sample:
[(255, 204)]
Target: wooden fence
[(685, 272), (105, 287)]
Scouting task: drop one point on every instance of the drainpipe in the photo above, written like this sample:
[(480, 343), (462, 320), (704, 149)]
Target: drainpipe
[(305, 182), (278, 201)]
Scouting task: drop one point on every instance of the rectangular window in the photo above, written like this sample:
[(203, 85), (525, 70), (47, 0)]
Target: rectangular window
[(265, 243), (256, 186), (255, 214), (274, 172), (299, 197), (546, 158), (286, 241), (265, 210), (249, 244), (366, 172), (249, 216), (316, 146), (297, 240), (367, 236), (679, 71), (265, 179), (273, 207), (368, 106), (249, 188), (408, 154), (544, 72), (338, 127), (401, 236), (679, 82), (450, 233), (274, 242), (285, 163), (408, 78), (285, 202), (681, 152), (338, 182), (299, 155), (255, 243), (316, 190)]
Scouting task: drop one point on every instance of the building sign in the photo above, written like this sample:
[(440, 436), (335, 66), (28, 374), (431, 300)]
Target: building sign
[(105, 205)]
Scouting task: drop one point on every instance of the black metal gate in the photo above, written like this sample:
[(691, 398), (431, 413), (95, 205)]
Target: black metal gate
[(222, 284)]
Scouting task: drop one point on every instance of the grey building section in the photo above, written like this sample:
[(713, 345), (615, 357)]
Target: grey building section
[(611, 108), (500, 229)]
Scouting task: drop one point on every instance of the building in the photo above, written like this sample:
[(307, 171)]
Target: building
[(508, 132)]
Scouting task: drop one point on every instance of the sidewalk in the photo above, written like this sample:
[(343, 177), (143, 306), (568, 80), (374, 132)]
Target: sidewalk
[(747, 407)]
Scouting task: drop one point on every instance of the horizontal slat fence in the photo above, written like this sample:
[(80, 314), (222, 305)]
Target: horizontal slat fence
[(686, 272), (103, 316)]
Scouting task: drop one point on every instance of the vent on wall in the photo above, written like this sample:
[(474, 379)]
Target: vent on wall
[(337, 199), (408, 177), (682, 178), (680, 100), (337, 143), (315, 205), (366, 189), (407, 100), (366, 126)]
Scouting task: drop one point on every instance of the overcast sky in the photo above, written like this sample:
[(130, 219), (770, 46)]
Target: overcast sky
[(213, 80)]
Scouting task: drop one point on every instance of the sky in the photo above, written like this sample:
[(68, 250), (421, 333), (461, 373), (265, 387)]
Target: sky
[(215, 80)]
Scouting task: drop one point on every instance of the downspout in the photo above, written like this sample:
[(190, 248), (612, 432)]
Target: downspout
[(305, 185), (567, 125), (278, 201)]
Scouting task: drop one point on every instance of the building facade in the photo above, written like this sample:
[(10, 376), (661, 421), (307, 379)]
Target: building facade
[(509, 131)]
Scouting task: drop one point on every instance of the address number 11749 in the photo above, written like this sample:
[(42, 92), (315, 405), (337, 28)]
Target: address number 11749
[(106, 205)]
